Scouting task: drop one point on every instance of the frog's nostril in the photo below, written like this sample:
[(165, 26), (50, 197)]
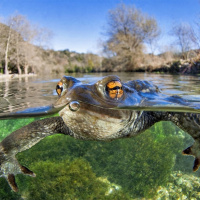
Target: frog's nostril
[(74, 105)]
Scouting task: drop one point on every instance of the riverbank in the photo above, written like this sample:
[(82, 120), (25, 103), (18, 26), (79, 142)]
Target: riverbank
[(182, 67), (187, 67)]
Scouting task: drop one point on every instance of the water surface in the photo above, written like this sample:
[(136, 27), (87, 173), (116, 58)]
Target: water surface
[(19, 93)]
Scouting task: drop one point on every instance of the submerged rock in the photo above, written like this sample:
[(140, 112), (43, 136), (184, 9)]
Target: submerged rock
[(181, 186), (112, 187)]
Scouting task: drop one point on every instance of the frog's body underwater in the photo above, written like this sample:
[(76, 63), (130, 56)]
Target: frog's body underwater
[(87, 113)]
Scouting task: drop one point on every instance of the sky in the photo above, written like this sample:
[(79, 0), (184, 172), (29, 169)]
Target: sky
[(79, 25)]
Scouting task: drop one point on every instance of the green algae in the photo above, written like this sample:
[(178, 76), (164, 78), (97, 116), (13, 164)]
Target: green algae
[(72, 169)]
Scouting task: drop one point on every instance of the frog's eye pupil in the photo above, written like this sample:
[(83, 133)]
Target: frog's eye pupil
[(59, 88), (114, 89)]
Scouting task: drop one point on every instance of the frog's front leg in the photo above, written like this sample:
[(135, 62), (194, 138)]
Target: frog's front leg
[(23, 139)]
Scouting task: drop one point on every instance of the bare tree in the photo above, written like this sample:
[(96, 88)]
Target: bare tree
[(184, 35), (43, 37), (18, 24), (6, 50), (128, 30), (24, 36), (196, 33), (6, 43), (18, 38), (154, 33)]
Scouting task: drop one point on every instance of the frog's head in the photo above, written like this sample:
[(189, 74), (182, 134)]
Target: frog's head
[(88, 108)]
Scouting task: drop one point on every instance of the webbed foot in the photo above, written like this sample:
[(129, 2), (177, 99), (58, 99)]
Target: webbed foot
[(9, 167), (194, 150)]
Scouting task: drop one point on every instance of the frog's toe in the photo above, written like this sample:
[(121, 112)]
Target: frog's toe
[(11, 181), (194, 150), (9, 167), (187, 151), (196, 164), (27, 171)]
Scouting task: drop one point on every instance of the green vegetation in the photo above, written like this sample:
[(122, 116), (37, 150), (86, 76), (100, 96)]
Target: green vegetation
[(72, 169), (64, 180), (8, 126)]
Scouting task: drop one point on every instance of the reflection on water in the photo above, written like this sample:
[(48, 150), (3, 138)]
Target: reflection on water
[(18, 93), (149, 166)]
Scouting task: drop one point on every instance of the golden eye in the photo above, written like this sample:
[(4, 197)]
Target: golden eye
[(59, 88), (114, 89)]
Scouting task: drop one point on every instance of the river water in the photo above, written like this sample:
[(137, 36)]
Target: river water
[(18, 93), (149, 166)]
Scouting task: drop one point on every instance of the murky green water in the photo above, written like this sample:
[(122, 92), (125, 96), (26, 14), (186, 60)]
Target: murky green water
[(149, 166)]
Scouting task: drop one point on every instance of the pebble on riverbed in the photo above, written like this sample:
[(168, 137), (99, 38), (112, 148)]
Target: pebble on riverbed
[(181, 186)]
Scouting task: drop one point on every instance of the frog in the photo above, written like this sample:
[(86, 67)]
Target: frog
[(96, 111)]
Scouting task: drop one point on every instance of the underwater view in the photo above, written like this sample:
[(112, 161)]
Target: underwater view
[(148, 166)]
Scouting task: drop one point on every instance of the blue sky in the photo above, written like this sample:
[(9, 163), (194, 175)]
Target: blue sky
[(78, 25)]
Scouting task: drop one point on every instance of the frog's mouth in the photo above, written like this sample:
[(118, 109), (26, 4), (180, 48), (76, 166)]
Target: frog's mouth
[(73, 103), (91, 109), (94, 122)]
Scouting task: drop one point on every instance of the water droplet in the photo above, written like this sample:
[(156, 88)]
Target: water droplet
[(74, 105)]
